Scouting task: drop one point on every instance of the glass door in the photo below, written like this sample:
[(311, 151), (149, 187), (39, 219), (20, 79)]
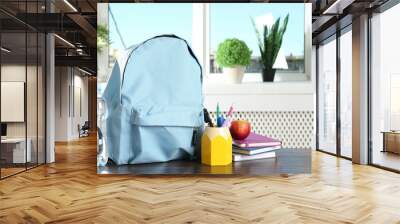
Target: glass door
[(13, 105), (22, 78), (385, 90), (326, 60), (334, 101)]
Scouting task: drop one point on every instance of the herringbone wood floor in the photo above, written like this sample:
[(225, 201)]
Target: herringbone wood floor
[(70, 191)]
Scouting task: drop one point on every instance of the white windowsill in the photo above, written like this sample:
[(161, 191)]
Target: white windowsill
[(214, 84)]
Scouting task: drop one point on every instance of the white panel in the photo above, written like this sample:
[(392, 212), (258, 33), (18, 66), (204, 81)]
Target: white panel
[(12, 101), (266, 102), (282, 96), (273, 88)]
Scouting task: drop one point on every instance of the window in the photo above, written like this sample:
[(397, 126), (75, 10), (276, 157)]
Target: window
[(233, 20), (206, 25), (139, 22), (385, 89), (327, 96), (335, 94), (346, 94)]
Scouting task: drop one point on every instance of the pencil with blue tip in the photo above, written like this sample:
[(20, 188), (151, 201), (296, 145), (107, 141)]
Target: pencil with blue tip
[(217, 113)]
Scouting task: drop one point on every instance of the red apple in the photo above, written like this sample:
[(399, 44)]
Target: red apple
[(240, 129)]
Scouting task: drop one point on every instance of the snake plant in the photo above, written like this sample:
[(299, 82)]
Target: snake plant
[(269, 43)]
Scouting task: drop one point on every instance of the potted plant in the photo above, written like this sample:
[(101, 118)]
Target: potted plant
[(233, 55), (269, 43)]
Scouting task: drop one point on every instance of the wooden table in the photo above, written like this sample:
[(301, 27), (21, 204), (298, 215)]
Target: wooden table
[(287, 161)]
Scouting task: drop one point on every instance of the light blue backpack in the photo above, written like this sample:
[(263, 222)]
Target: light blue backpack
[(154, 103)]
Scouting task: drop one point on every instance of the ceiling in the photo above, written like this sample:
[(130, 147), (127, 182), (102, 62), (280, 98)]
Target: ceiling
[(332, 15), (75, 21)]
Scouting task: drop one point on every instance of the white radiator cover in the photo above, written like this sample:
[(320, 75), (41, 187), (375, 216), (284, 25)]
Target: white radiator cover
[(294, 128)]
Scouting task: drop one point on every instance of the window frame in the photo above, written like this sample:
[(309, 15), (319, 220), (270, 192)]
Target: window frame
[(201, 42)]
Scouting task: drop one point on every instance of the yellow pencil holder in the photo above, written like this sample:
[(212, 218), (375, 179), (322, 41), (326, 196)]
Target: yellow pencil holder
[(216, 146)]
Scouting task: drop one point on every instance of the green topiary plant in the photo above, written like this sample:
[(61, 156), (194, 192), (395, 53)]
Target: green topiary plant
[(233, 52), (270, 43)]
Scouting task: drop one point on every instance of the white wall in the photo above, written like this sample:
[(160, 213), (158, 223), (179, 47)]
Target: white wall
[(80, 83), (61, 103), (69, 81)]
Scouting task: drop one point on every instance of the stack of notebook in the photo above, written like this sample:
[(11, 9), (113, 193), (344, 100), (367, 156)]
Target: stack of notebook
[(255, 146)]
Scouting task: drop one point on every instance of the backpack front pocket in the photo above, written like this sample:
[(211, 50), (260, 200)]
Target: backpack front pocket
[(164, 136)]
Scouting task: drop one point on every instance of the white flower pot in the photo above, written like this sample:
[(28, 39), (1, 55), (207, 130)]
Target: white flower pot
[(234, 75)]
